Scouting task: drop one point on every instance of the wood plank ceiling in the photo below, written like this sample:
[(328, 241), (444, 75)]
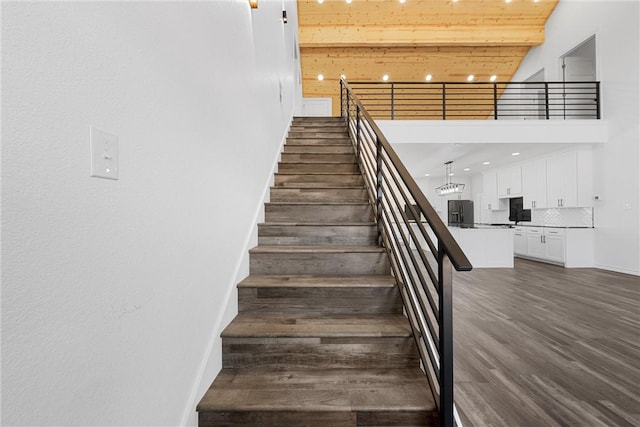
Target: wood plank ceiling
[(366, 39)]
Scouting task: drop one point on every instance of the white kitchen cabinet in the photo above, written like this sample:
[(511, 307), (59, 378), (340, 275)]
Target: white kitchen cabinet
[(509, 181), (570, 180), (534, 184), (553, 241), (490, 191), (519, 241), (535, 245)]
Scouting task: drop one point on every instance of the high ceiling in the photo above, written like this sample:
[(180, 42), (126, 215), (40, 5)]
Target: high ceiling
[(448, 39)]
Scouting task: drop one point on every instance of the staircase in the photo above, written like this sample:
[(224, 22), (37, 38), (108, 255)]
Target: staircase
[(320, 338)]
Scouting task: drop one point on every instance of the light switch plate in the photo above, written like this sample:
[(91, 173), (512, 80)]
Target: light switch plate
[(104, 154)]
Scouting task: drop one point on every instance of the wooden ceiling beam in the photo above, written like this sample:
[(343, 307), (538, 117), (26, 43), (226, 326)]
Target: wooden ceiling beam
[(380, 36)]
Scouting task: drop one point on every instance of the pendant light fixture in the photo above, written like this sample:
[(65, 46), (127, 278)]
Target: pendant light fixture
[(449, 187)]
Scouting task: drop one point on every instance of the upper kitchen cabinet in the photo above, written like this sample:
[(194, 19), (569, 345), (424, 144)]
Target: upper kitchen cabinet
[(570, 180), (534, 184), (490, 191), (510, 182)]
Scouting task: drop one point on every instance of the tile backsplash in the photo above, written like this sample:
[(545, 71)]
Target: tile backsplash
[(565, 217)]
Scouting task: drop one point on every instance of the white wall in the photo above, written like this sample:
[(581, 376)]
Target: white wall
[(113, 292), (616, 27)]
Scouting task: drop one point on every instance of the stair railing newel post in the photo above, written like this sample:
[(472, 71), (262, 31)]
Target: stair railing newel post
[(598, 100), (546, 100), (495, 101), (445, 320), (341, 95)]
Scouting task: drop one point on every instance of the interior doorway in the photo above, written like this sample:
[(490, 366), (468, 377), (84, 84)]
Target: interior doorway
[(579, 65)]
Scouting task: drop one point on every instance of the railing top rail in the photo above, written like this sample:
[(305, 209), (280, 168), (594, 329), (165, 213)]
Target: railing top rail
[(470, 83), (446, 241)]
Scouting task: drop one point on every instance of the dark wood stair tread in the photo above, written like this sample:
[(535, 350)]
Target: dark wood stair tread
[(318, 390), (315, 249), (258, 326), (309, 281)]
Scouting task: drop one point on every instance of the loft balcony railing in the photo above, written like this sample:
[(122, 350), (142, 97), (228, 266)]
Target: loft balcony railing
[(479, 101), (422, 254)]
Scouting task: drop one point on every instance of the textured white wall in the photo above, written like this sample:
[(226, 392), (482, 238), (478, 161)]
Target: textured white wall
[(616, 164), (113, 291)]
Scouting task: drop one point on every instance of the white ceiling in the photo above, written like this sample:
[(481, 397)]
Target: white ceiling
[(430, 158)]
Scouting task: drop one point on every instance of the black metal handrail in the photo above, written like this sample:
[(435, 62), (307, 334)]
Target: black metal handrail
[(498, 100), (422, 255)]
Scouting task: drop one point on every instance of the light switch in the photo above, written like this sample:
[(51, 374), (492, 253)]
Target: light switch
[(104, 154)]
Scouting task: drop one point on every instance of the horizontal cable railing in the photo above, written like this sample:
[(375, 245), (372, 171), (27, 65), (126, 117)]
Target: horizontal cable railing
[(479, 101), (422, 254)]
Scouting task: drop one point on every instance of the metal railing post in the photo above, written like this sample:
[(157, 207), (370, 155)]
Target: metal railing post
[(379, 188), (444, 102), (597, 100), (358, 133), (495, 101), (392, 102), (546, 100), (347, 102), (445, 320), (341, 101)]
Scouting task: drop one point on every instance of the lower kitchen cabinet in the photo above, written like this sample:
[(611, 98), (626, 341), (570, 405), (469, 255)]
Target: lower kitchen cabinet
[(572, 247)]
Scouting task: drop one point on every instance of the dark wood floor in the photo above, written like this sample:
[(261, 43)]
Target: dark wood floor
[(541, 345)]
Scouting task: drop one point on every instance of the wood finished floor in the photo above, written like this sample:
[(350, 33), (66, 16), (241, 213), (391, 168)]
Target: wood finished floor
[(541, 345)]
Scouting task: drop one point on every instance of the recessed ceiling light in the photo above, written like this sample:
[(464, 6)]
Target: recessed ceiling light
[(385, 77), (455, 1), (451, 174), (428, 77), (320, 1), (515, 154), (402, 1), (320, 77), (536, 1), (486, 163), (342, 76), (493, 78), (470, 77), (348, 1), (467, 169), (507, 1), (427, 174)]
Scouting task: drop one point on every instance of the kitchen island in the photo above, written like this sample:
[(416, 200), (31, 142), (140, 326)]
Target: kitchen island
[(486, 246)]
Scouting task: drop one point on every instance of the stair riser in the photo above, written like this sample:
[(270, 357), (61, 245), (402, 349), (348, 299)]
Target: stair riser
[(331, 121), (319, 301), (313, 352), (319, 149), (324, 135), (279, 194), (318, 181), (318, 213), (318, 419), (317, 167), (277, 418), (334, 263), (314, 235), (318, 141), (317, 158), (317, 128)]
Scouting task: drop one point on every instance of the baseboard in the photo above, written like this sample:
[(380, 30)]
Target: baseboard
[(238, 273), (618, 269)]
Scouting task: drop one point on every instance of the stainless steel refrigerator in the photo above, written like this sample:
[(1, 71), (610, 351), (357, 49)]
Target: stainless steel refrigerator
[(461, 213)]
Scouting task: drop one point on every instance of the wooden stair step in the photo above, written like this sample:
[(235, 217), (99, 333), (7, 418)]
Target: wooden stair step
[(319, 149), (314, 167), (323, 135), (326, 194), (338, 341), (308, 296), (311, 127), (248, 325), (314, 234), (314, 397), (310, 212), (331, 260), (346, 179), (317, 158), (309, 140)]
